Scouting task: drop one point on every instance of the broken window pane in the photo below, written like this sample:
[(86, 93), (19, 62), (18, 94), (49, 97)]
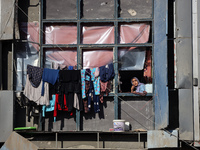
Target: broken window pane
[(60, 9), (131, 58), (135, 62), (60, 57), (60, 34), (98, 9), (135, 8), (98, 35), (97, 57), (30, 31), (25, 54), (134, 33)]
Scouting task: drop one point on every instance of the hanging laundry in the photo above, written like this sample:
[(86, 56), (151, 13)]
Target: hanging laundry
[(35, 75), (105, 89), (50, 76), (106, 72), (49, 107), (58, 107), (92, 90), (34, 94), (70, 83)]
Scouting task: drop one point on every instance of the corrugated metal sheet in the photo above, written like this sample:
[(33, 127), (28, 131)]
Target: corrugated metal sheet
[(6, 114), (162, 139), (160, 64), (6, 19)]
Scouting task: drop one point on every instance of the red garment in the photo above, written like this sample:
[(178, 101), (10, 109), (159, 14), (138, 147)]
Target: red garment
[(57, 106)]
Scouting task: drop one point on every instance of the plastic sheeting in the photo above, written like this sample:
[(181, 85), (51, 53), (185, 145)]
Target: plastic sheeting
[(60, 58), (97, 58), (131, 58), (30, 31), (60, 34), (134, 33), (67, 34), (98, 34), (25, 54)]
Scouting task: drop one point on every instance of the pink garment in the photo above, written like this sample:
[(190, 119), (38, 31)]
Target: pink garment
[(105, 89), (96, 74)]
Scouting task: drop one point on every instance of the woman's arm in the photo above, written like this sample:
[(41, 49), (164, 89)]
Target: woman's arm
[(132, 89)]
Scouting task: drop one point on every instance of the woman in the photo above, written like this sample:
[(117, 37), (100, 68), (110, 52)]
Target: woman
[(137, 87)]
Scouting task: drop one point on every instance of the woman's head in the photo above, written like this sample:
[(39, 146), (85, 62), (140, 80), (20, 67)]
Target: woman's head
[(134, 81)]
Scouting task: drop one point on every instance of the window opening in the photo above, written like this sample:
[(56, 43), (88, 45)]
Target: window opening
[(97, 57), (134, 62), (134, 33), (98, 34), (57, 59), (99, 9), (62, 9), (135, 8), (60, 34)]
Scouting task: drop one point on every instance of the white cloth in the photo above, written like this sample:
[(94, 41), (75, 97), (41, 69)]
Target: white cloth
[(34, 94), (76, 101)]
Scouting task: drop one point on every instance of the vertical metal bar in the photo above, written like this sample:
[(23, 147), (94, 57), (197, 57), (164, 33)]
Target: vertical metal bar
[(41, 55), (195, 69), (152, 52), (41, 34), (116, 9), (12, 63), (138, 136), (97, 139), (1, 52), (78, 57), (116, 82), (56, 140), (116, 62)]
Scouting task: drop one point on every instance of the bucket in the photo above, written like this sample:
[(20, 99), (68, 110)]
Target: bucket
[(119, 125)]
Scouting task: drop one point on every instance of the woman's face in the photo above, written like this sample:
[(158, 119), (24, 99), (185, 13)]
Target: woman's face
[(134, 82)]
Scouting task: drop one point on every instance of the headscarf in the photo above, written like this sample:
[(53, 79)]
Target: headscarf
[(139, 84)]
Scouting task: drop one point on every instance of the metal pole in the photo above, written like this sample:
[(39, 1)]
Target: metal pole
[(97, 139), (1, 84), (56, 140), (195, 69)]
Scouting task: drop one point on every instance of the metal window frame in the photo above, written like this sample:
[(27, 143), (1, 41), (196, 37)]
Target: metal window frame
[(80, 46)]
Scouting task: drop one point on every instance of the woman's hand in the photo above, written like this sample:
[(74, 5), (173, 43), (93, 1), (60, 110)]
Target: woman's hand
[(132, 89)]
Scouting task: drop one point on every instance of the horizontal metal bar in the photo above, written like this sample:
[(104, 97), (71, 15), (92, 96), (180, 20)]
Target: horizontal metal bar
[(97, 20), (134, 19), (95, 45), (131, 94), (127, 94), (59, 46), (59, 21), (26, 41), (78, 132)]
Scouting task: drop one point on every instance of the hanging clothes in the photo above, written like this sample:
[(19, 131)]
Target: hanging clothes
[(58, 107), (35, 75), (50, 76), (83, 83), (70, 81), (34, 94), (106, 72), (92, 89), (49, 107), (105, 89)]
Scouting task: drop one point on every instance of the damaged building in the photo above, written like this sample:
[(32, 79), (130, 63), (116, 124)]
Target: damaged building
[(73, 43)]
